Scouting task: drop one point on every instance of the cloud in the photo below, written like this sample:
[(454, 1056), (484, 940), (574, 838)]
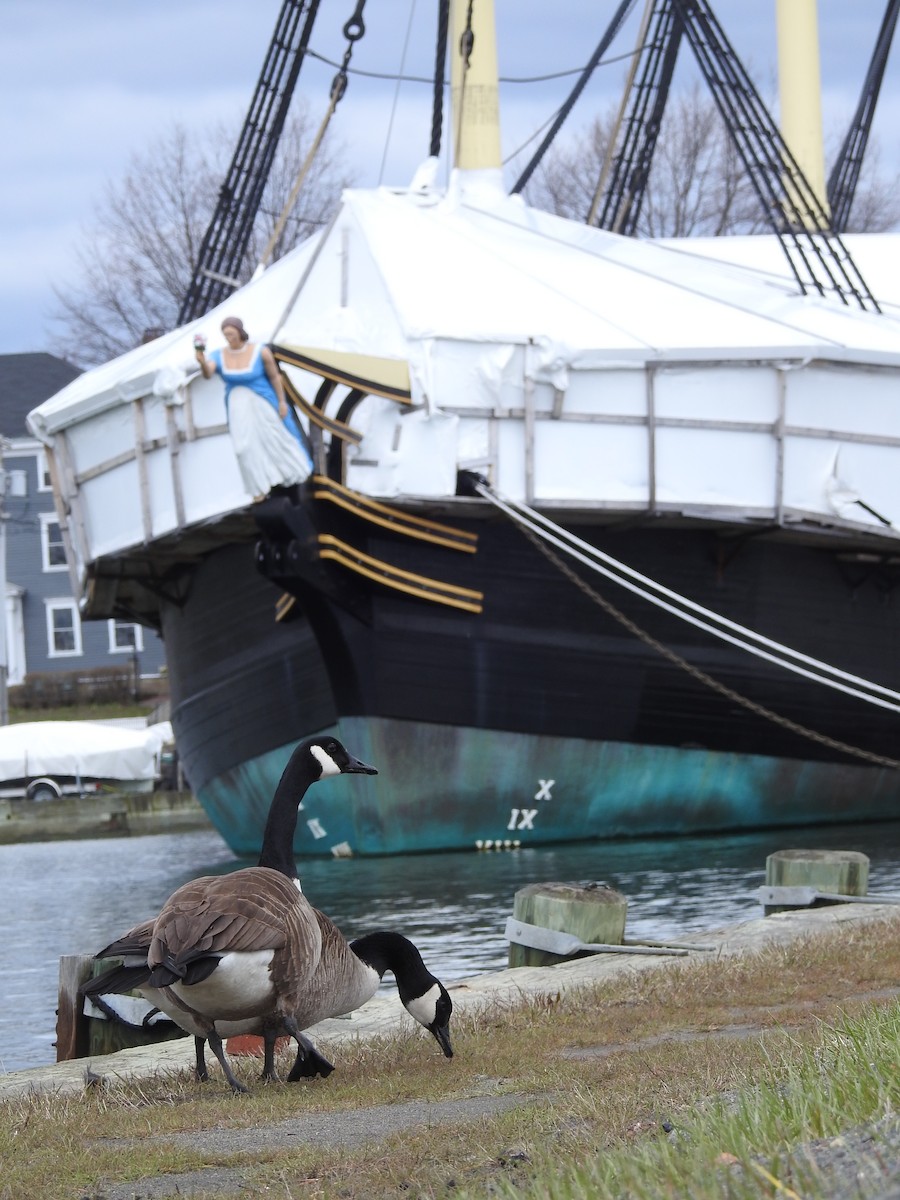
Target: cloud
[(96, 82)]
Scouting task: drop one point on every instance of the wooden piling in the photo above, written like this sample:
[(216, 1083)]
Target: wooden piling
[(839, 872), (106, 1036), (81, 1036), (72, 1037), (592, 912)]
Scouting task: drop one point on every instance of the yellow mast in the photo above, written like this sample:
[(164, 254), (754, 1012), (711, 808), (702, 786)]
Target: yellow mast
[(474, 88), (800, 89)]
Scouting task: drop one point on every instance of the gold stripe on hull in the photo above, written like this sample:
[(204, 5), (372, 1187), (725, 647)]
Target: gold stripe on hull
[(421, 586)]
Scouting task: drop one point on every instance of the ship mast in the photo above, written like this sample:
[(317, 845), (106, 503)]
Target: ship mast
[(475, 90), (800, 92)]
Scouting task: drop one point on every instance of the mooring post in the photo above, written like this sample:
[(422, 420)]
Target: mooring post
[(592, 912), (834, 872), (72, 1035)]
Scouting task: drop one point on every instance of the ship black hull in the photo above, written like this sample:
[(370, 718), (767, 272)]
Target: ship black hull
[(546, 716)]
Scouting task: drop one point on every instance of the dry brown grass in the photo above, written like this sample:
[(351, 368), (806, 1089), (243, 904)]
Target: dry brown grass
[(606, 1068)]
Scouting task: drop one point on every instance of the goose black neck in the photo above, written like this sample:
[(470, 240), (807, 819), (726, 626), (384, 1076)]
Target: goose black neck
[(278, 839), (386, 951)]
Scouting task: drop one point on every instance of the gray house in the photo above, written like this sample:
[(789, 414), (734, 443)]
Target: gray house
[(44, 630)]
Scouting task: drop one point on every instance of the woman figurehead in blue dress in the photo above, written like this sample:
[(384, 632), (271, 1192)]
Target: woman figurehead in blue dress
[(243, 364)]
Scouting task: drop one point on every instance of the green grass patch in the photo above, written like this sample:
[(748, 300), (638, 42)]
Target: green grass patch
[(80, 712)]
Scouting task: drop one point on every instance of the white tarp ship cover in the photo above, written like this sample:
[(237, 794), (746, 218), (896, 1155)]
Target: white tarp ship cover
[(83, 749)]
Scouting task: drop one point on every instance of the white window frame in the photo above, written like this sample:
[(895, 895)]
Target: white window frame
[(43, 472), (48, 519), (52, 607), (114, 647)]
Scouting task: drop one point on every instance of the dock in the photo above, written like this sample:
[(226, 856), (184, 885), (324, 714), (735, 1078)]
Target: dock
[(113, 814), (384, 1015)]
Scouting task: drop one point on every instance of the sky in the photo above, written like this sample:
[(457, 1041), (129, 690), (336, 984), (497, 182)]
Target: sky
[(90, 83)]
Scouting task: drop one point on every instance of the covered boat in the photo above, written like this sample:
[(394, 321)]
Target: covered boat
[(602, 538), (43, 760)]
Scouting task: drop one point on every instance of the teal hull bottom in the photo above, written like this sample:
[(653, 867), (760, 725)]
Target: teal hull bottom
[(443, 787)]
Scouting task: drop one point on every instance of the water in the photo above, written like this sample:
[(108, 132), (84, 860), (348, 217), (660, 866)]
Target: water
[(61, 898)]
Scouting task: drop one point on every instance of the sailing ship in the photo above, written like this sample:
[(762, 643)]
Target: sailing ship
[(602, 538)]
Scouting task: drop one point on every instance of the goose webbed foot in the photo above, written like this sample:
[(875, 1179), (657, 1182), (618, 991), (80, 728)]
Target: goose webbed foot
[(215, 1044), (309, 1063)]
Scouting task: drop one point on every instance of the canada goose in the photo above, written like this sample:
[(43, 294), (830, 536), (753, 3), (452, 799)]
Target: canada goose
[(347, 975), (261, 954), (343, 982), (134, 976), (312, 760)]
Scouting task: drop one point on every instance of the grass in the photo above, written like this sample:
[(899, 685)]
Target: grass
[(690, 1080), (81, 712)]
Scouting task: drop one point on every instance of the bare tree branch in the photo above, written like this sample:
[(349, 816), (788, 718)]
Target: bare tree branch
[(697, 186), (137, 257)]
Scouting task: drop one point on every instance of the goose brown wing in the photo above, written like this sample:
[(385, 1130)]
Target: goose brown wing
[(135, 941), (253, 909)]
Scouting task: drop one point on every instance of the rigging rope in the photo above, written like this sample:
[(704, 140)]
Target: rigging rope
[(618, 17), (440, 57), (387, 138), (466, 46), (548, 77), (531, 527), (592, 552), (353, 30)]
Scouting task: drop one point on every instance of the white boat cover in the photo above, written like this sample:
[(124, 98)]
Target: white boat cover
[(487, 269), (572, 366), (83, 749)]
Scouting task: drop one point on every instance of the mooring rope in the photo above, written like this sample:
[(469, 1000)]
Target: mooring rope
[(540, 538), (706, 620)]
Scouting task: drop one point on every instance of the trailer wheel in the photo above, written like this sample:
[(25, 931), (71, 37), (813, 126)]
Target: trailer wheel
[(42, 790)]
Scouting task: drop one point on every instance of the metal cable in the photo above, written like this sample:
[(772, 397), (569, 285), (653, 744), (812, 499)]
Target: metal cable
[(538, 540), (705, 619), (618, 18), (387, 138), (697, 674)]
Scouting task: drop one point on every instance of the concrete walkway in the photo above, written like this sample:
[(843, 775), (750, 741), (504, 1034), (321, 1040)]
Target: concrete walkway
[(384, 1015)]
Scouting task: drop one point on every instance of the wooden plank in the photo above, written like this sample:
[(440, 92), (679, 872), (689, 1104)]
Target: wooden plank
[(140, 434), (528, 384), (68, 509), (63, 512), (71, 1026), (173, 437)]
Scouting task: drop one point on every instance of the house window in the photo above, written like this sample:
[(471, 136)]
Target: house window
[(53, 550), (125, 637), (43, 473), (63, 629)]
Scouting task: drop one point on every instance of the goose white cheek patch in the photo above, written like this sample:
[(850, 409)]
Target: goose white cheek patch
[(424, 1008), (325, 761)]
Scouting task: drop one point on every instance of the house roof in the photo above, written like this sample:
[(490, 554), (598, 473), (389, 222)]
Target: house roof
[(27, 380)]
